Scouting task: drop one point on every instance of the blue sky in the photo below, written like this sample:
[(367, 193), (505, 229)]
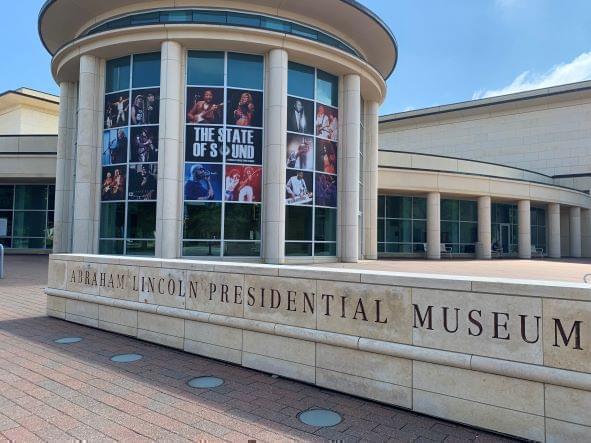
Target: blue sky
[(450, 50)]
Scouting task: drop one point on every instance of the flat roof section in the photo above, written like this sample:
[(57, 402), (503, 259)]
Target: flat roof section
[(551, 93)]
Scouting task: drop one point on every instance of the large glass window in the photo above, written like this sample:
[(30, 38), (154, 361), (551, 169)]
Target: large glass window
[(402, 224), (538, 228), (459, 225), (26, 216), (311, 162), (130, 155), (223, 155)]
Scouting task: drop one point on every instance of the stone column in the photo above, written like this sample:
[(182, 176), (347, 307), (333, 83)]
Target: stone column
[(553, 230), (274, 157), (484, 228), (349, 174), (370, 176), (170, 167), (575, 232), (64, 178), (434, 226), (524, 220), (87, 156), (585, 233)]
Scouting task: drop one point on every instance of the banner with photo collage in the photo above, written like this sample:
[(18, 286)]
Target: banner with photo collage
[(223, 154), (130, 145), (311, 157)]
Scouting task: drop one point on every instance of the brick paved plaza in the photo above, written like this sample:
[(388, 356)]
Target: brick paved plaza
[(74, 392)]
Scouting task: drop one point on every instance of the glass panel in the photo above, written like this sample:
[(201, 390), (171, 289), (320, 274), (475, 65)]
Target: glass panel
[(51, 197), (49, 230), (29, 224), (327, 88), (325, 249), (112, 220), (381, 228), (419, 208), (201, 249), (140, 247), (300, 81), (450, 210), (242, 249), (326, 225), (30, 197), (398, 207), (8, 216), (419, 231), (146, 70), (381, 206), (6, 242), (205, 68), (298, 249), (468, 211), (242, 222), (298, 223), (118, 71), (275, 24), (176, 16), (141, 220), (450, 232), (399, 231), (399, 248), (244, 20), (468, 232), (203, 221), (6, 197), (111, 247), (214, 17), (302, 31), (145, 19), (245, 71)]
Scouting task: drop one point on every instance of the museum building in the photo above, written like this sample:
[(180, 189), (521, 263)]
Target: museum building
[(249, 131)]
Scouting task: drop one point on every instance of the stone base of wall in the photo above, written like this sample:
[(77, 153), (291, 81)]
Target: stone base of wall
[(507, 365)]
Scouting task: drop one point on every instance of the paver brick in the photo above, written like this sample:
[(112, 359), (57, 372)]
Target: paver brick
[(65, 393)]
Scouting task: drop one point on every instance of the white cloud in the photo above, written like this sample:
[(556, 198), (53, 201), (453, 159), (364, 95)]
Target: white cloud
[(575, 71)]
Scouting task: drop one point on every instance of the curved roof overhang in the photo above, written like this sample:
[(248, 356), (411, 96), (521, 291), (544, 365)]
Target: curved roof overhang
[(61, 21)]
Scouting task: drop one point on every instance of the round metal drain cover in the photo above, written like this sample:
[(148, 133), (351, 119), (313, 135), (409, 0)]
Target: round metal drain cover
[(126, 358), (323, 418), (205, 382), (67, 340)]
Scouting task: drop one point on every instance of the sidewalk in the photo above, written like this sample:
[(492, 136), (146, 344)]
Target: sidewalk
[(73, 392)]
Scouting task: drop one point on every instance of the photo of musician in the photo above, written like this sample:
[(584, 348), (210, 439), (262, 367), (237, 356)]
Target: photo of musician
[(203, 182), (326, 190), (245, 108), (299, 188), (113, 187), (205, 106), (116, 110), (300, 115), (143, 181), (114, 146), (243, 184), (144, 144), (326, 156), (145, 108), (300, 152), (327, 123)]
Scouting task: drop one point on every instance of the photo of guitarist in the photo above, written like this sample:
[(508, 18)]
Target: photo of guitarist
[(205, 110)]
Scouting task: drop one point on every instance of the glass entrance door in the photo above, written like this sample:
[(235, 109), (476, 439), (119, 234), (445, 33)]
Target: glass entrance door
[(504, 237)]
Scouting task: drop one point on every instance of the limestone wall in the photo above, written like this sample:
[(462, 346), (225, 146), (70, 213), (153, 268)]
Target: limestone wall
[(511, 356)]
